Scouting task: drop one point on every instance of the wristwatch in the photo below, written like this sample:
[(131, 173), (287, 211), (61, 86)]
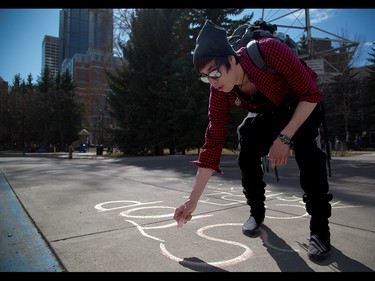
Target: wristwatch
[(285, 139)]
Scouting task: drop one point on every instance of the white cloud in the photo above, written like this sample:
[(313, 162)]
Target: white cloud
[(368, 44), (321, 15), (316, 15)]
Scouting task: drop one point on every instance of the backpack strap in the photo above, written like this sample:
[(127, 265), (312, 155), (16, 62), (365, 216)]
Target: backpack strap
[(253, 51)]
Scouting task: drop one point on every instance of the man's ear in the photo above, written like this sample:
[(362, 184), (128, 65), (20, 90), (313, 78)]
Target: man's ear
[(232, 60)]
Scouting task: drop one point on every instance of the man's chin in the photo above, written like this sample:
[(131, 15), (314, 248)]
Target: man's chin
[(225, 91)]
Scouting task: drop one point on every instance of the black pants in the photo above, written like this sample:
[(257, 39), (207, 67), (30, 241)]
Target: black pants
[(256, 135)]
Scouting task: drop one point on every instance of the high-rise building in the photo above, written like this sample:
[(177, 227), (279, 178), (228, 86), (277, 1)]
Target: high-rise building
[(50, 54), (73, 32), (101, 31), (83, 30), (86, 49)]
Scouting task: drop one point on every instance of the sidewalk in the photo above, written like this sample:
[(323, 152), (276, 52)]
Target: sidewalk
[(22, 246), (100, 214)]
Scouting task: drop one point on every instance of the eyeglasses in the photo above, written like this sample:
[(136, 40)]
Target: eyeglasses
[(214, 74)]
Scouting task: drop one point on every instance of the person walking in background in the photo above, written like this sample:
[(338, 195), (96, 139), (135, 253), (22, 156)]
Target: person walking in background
[(348, 141), (287, 112), (357, 142), (337, 145)]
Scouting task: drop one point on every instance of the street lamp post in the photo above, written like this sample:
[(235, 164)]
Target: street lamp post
[(99, 148), (101, 117), (23, 122)]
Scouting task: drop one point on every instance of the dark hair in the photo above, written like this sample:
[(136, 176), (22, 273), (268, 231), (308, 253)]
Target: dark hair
[(202, 62)]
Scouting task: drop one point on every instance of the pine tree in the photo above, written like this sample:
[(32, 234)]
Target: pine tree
[(14, 119), (156, 98), (68, 111), (369, 116), (341, 96)]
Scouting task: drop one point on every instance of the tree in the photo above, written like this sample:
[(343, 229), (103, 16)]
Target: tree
[(67, 110), (148, 65), (369, 97), (340, 96), (62, 112), (40, 114), (29, 110), (14, 117), (156, 98), (45, 94), (3, 115), (304, 46)]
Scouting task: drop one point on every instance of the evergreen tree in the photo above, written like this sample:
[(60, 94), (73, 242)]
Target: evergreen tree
[(14, 117), (341, 99), (41, 114), (156, 98), (29, 112), (62, 113), (303, 50), (371, 71), (369, 117), (68, 111), (4, 115), (146, 99), (45, 95)]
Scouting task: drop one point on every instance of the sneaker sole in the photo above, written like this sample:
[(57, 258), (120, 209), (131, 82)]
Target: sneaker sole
[(251, 233), (318, 258)]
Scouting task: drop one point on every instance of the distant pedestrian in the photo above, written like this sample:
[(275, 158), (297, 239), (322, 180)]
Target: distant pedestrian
[(337, 145), (357, 142), (70, 151)]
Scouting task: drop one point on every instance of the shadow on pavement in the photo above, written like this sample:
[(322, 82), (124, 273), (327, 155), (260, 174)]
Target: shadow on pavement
[(287, 259), (199, 265)]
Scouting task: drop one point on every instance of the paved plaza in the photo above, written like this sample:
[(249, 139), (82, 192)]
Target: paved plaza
[(100, 214)]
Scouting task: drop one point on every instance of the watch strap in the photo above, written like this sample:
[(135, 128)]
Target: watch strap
[(285, 139)]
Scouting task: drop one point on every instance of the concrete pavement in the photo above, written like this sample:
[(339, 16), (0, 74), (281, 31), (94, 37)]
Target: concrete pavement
[(98, 214)]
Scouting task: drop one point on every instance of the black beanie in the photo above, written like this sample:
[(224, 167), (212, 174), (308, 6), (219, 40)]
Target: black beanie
[(212, 41)]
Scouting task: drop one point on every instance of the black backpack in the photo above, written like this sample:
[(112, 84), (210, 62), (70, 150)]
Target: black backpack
[(248, 35)]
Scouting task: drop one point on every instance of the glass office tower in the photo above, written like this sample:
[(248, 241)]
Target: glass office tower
[(86, 50), (83, 30)]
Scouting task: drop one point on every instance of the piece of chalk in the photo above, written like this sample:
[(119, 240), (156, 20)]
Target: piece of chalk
[(180, 223)]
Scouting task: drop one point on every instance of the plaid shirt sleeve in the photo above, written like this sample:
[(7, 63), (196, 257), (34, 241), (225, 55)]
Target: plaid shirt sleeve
[(216, 132)]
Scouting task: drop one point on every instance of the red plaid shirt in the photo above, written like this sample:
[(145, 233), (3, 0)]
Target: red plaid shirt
[(293, 81)]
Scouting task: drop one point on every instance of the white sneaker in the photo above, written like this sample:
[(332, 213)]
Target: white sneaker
[(250, 227)]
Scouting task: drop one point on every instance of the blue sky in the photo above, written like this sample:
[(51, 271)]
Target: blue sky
[(22, 32)]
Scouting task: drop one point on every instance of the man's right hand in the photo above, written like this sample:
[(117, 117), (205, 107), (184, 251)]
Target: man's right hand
[(183, 214)]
